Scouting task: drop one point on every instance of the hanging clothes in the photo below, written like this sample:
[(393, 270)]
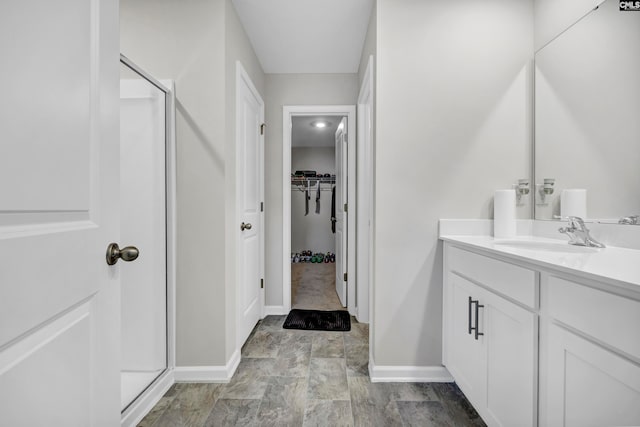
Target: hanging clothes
[(306, 200), (318, 198), (333, 209)]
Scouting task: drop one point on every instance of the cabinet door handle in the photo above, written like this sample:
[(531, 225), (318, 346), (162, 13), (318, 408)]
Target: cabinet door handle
[(471, 327), (477, 328), (469, 318)]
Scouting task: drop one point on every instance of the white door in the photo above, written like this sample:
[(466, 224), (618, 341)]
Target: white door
[(341, 213), (250, 167), (59, 178)]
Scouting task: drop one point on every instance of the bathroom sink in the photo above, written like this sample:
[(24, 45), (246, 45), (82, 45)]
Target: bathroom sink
[(545, 246)]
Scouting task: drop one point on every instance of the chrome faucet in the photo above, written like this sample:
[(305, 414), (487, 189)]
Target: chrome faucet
[(630, 220), (579, 233)]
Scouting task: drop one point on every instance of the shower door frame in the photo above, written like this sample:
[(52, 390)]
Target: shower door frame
[(137, 409)]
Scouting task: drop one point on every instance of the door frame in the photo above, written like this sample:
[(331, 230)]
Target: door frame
[(243, 78), (340, 223), (152, 395), (364, 233), (288, 112)]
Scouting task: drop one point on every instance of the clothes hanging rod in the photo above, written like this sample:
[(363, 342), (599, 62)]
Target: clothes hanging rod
[(304, 180), (311, 183), (324, 186), (311, 189)]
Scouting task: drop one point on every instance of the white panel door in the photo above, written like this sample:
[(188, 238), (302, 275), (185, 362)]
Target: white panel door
[(59, 179), (341, 213), (249, 117)]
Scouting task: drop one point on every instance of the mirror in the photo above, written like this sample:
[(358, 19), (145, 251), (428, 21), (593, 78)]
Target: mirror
[(587, 119)]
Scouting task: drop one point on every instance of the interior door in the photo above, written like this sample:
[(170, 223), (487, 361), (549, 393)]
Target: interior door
[(59, 300), (341, 213), (249, 117)]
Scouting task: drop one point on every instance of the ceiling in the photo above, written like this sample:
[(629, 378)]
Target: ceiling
[(306, 36), (305, 134)]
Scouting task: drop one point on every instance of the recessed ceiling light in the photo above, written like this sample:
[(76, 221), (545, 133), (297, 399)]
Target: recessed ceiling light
[(320, 124)]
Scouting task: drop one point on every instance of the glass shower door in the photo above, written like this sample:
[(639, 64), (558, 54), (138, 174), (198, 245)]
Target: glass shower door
[(143, 142)]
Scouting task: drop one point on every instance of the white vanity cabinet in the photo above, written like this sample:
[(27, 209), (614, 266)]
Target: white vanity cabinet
[(491, 336), (590, 368), (556, 346)]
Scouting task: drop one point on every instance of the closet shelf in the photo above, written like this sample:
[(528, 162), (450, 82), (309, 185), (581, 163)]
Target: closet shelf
[(302, 183)]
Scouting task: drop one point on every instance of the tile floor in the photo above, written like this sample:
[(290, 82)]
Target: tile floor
[(310, 378)]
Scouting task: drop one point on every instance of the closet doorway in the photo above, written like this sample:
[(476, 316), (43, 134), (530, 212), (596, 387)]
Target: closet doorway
[(318, 226)]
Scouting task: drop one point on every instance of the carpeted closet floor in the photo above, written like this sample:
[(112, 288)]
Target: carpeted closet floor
[(313, 286)]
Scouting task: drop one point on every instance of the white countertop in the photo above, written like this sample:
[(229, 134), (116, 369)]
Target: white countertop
[(618, 266)]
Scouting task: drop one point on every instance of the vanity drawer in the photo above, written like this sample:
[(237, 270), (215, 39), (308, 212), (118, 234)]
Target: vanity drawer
[(610, 318), (515, 282)]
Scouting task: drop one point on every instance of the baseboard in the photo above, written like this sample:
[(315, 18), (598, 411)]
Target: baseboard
[(409, 374), (208, 374), (274, 310), (145, 403)]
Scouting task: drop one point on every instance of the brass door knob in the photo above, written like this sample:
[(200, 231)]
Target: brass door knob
[(114, 253), (246, 226)]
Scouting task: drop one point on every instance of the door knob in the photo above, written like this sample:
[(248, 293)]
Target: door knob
[(246, 226), (114, 253)]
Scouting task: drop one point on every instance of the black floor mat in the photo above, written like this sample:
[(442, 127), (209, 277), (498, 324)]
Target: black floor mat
[(317, 320)]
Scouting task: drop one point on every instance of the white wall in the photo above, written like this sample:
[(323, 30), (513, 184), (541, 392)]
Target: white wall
[(370, 43), (280, 90), (453, 89), (196, 43), (313, 231), (551, 17)]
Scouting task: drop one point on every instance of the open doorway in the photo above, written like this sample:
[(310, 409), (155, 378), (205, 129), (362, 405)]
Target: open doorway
[(317, 226), (319, 229)]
